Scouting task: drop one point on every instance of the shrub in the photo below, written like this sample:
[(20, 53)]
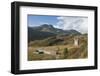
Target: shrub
[(65, 53)]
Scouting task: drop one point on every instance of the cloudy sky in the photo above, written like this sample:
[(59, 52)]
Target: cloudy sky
[(66, 23)]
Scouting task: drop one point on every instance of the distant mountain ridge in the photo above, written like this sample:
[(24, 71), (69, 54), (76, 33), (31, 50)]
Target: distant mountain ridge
[(51, 29), (47, 30)]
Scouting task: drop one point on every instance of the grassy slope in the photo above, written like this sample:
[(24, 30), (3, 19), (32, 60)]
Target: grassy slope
[(61, 42)]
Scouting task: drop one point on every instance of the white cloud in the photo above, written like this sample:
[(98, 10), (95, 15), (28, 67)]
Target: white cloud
[(73, 22), (33, 25)]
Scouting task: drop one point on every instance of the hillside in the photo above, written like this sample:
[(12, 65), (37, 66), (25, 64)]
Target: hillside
[(38, 35), (57, 40), (63, 45)]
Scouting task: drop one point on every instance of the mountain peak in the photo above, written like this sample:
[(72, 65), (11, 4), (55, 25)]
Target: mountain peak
[(47, 26), (51, 29)]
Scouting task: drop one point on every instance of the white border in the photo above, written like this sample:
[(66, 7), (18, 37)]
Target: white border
[(26, 65)]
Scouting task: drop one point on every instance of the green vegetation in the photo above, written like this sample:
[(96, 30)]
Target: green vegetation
[(65, 53)]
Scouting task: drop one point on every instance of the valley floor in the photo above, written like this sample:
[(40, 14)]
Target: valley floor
[(57, 52)]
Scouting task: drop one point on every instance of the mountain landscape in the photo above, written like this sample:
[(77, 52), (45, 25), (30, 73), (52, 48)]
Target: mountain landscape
[(45, 42), (46, 30)]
